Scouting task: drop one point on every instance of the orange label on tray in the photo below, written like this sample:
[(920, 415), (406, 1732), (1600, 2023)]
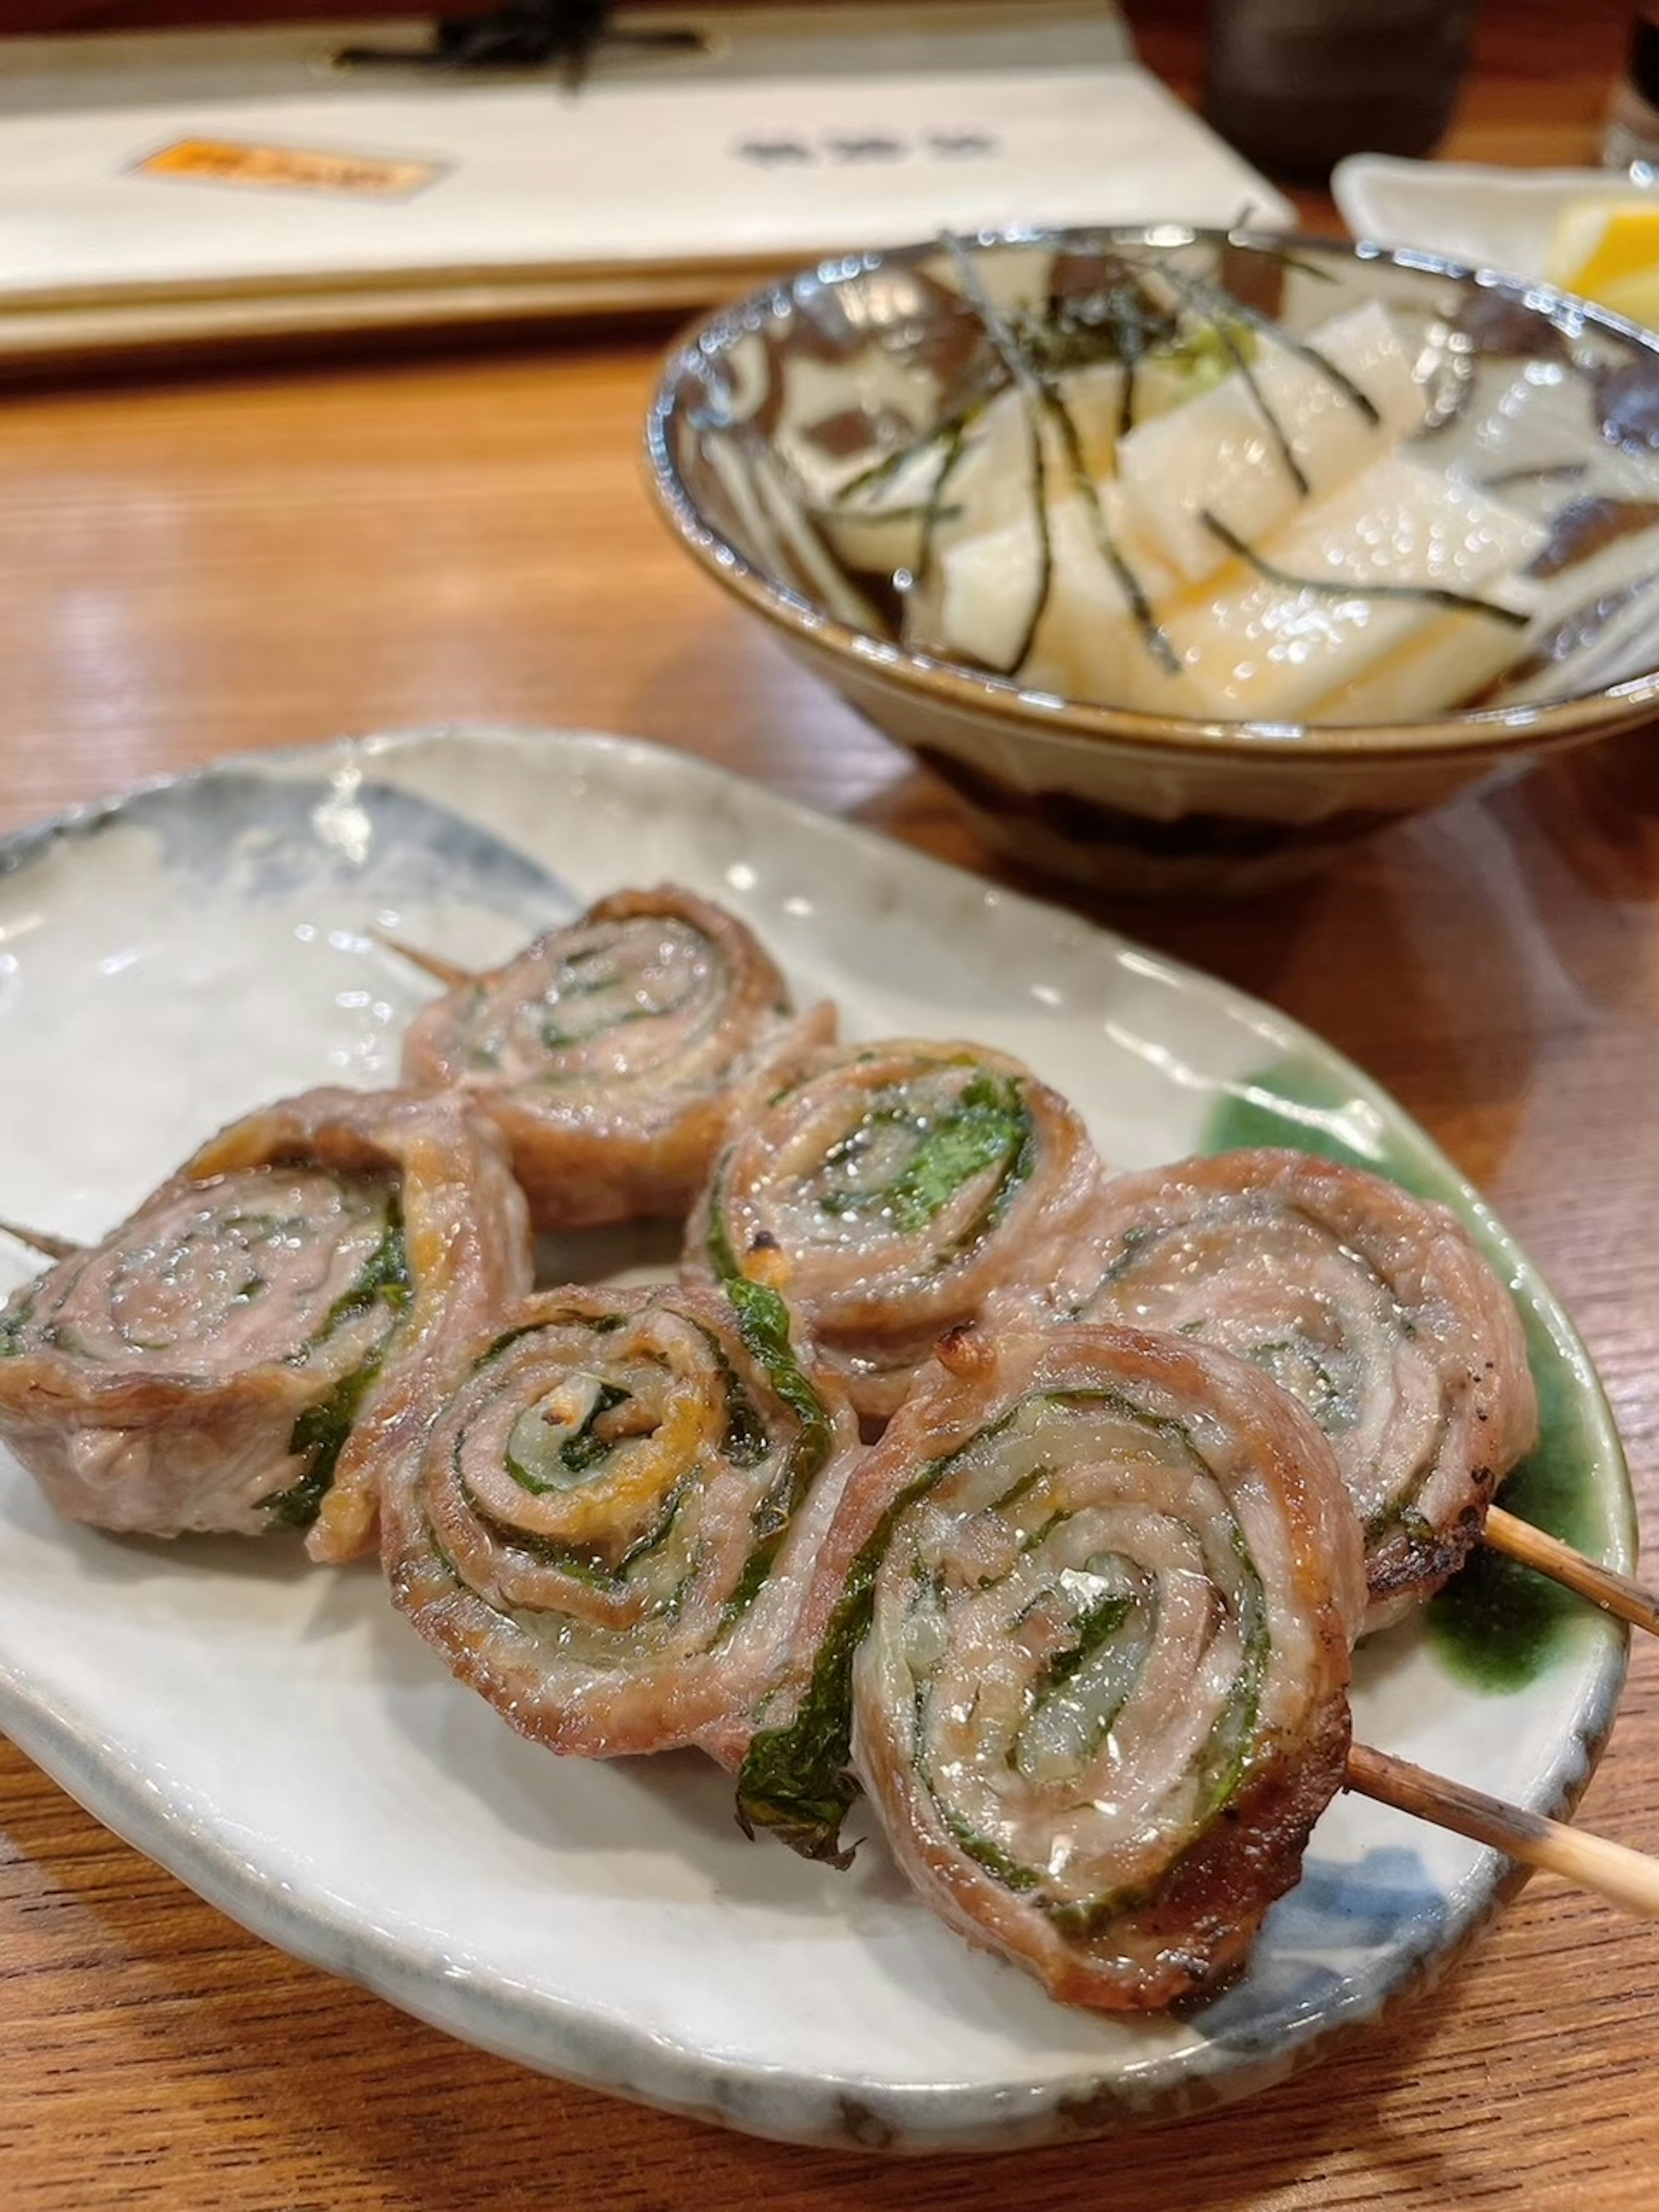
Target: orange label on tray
[(289, 169)]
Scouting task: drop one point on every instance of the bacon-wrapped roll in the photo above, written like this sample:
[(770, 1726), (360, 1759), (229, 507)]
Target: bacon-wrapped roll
[(611, 1053), (1093, 1596), (221, 1360), (891, 1187), (608, 1526), (1371, 1307)]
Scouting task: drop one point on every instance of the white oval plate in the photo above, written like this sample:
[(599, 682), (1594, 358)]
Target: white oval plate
[(280, 1740)]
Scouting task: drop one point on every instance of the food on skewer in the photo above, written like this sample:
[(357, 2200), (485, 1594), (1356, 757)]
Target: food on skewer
[(1083, 1626), (1373, 1308), (41, 1240), (1080, 1624), (608, 1528), (221, 1359), (609, 1052), (891, 1188)]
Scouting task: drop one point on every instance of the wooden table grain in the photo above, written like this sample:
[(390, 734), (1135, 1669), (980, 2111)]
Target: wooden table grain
[(195, 565)]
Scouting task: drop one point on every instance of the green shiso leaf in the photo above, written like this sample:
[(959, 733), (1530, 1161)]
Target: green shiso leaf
[(985, 1129)]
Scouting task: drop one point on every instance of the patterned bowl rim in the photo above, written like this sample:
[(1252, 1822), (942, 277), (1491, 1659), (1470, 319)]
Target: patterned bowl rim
[(999, 700)]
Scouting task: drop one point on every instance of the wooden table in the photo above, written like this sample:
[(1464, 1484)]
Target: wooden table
[(193, 566)]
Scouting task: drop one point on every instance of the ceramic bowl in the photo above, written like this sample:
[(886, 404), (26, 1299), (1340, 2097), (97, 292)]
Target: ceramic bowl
[(849, 362)]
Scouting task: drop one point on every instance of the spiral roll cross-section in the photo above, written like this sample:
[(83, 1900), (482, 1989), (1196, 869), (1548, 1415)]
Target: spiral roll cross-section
[(1083, 1627), (1373, 1307), (611, 1053), (890, 1188), (222, 1358), (608, 1528)]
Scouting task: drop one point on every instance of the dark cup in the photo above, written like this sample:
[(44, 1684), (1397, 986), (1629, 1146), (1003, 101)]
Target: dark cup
[(1297, 84)]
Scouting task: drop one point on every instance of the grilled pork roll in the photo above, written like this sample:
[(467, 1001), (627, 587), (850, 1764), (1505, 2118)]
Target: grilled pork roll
[(890, 1188), (1371, 1307), (1083, 1624), (222, 1359), (609, 1053), (608, 1528)]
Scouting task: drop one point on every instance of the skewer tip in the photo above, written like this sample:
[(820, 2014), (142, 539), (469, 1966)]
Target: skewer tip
[(42, 1241), (446, 972)]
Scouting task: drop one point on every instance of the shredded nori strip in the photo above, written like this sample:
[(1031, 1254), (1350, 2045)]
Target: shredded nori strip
[(1122, 323), (890, 462), (1334, 588), (1153, 635), (935, 511), (1040, 391), (1227, 302), (1218, 322)]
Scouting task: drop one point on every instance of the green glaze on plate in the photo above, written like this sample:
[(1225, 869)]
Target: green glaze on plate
[(1497, 1625)]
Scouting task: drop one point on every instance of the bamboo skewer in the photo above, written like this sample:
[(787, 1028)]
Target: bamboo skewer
[(42, 1240), (451, 976), (1614, 1593), (1625, 1878)]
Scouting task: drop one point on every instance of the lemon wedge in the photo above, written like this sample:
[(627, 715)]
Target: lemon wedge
[(1608, 250)]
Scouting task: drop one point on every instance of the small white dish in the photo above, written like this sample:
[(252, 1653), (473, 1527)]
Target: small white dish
[(276, 1735), (1494, 218)]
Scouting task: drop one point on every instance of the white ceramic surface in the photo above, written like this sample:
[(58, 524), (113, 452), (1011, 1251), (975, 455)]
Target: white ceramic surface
[(278, 1738), (1496, 218)]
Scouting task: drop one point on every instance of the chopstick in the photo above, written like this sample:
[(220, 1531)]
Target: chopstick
[(1625, 1878)]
